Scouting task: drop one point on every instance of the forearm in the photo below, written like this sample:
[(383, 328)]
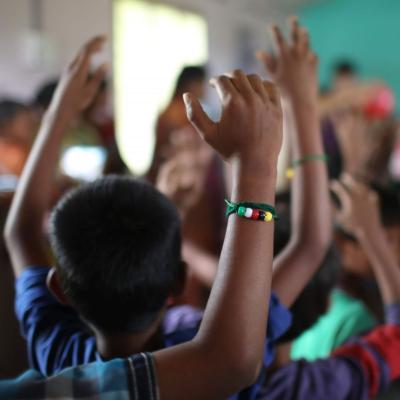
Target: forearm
[(24, 224), (383, 263), (230, 344), (311, 216)]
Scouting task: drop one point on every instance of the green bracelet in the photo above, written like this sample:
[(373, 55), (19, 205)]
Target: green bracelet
[(301, 161), (253, 211)]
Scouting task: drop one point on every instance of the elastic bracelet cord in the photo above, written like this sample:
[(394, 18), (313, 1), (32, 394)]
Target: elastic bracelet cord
[(305, 159), (254, 211)]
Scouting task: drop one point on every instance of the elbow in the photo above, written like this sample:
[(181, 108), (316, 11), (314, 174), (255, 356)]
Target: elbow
[(314, 244), (9, 233), (245, 368)]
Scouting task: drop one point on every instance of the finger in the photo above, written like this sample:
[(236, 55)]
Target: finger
[(91, 47), (268, 60), (312, 58), (353, 185), (303, 41), (294, 30), (343, 195), (258, 86), (273, 92), (224, 87), (92, 87), (198, 118), (279, 41), (241, 82)]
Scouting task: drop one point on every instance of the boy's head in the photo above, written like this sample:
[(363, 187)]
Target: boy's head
[(117, 244), (345, 74), (43, 96), (353, 256), (16, 121), (191, 79)]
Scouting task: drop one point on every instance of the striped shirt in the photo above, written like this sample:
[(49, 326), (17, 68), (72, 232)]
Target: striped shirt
[(132, 378)]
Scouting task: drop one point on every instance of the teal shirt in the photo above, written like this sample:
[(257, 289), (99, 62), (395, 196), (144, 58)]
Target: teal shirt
[(345, 318)]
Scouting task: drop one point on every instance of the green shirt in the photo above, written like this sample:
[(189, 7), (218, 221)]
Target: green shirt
[(345, 318)]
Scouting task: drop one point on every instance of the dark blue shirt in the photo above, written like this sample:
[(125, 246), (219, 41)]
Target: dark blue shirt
[(57, 338)]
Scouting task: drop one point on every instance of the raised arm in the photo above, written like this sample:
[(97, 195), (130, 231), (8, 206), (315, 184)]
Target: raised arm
[(360, 216), (226, 355), (24, 226), (294, 69)]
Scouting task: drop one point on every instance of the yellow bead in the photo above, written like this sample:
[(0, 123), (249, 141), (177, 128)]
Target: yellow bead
[(268, 216), (290, 173)]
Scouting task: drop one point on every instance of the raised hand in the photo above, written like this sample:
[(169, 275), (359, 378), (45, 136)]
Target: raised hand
[(359, 212), (181, 179), (78, 85), (250, 129), (293, 65)]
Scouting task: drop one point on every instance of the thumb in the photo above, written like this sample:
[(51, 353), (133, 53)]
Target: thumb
[(198, 118)]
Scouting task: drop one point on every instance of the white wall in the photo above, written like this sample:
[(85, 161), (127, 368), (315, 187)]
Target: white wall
[(67, 23)]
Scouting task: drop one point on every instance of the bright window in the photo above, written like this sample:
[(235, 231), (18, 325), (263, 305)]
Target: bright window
[(152, 42)]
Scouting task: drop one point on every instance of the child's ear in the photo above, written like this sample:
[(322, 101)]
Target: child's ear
[(53, 284)]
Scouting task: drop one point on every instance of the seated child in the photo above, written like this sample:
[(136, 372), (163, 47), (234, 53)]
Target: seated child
[(365, 366), (117, 248), (350, 303)]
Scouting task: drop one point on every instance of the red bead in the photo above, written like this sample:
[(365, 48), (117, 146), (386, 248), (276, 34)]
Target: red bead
[(255, 214)]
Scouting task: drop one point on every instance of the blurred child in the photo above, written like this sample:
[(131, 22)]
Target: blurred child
[(16, 136), (365, 366)]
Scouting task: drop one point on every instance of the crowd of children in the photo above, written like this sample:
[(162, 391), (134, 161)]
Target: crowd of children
[(119, 290)]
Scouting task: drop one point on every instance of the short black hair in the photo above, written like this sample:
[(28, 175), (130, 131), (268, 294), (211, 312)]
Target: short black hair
[(45, 94), (117, 244), (9, 109), (189, 74), (345, 67), (313, 302)]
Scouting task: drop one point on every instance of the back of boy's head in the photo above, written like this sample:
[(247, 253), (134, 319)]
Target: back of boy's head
[(313, 302), (9, 109), (45, 94), (117, 243), (188, 75)]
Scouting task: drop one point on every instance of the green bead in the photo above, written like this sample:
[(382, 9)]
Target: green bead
[(241, 211)]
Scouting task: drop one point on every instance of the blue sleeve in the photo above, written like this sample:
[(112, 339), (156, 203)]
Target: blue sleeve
[(55, 335), (279, 321)]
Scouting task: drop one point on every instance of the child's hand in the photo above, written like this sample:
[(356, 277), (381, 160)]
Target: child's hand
[(78, 86), (181, 179), (293, 67), (249, 132), (359, 213)]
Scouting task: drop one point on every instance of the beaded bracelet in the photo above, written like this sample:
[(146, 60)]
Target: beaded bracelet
[(253, 211), (301, 161)]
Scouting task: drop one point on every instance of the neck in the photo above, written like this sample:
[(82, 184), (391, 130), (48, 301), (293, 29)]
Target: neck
[(120, 345)]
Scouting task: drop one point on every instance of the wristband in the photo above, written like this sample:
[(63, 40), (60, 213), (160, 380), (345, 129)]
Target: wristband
[(253, 211), (301, 161)]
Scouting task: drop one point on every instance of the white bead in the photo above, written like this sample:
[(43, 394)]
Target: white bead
[(248, 213)]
